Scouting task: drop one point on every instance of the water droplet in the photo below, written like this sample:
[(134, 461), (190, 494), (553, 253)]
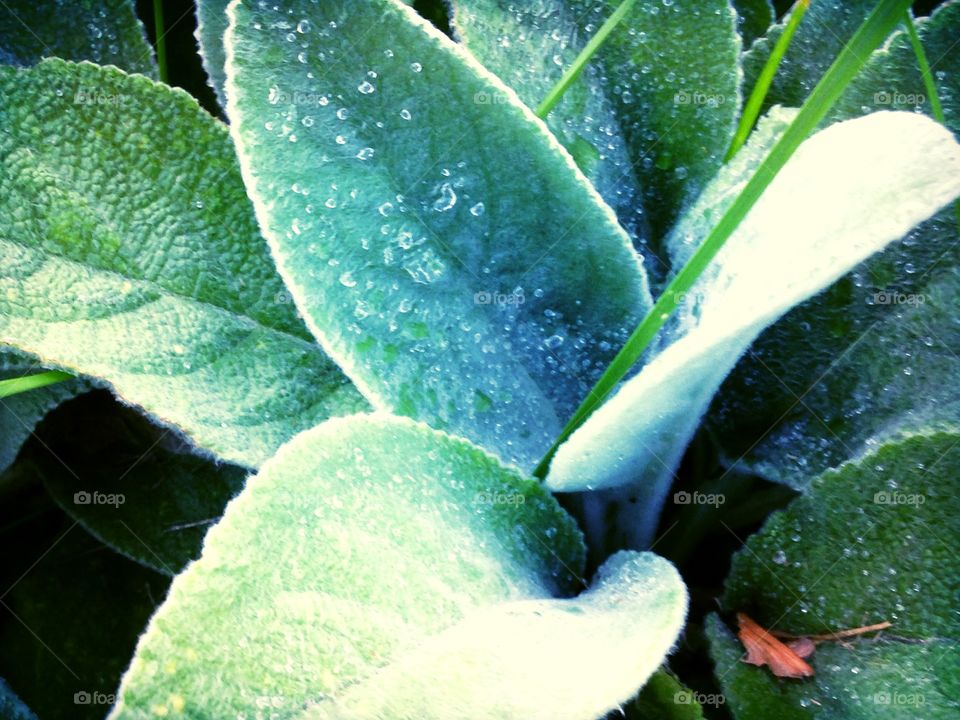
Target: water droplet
[(405, 114), (416, 67), (366, 87), (447, 199), (303, 27), (477, 210), (365, 154), (554, 341), (347, 280), (780, 557)]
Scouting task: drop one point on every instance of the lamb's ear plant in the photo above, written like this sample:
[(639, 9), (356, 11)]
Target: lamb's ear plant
[(535, 248)]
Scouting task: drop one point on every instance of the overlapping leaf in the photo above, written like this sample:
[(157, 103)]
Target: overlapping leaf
[(377, 568), (878, 349), (675, 105), (130, 254), (870, 180), (868, 542), (444, 250), (106, 32)]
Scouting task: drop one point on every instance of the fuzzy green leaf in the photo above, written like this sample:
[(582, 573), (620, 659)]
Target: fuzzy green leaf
[(869, 542), (529, 47), (754, 18), (130, 254), (211, 26), (887, 344), (870, 181), (134, 486), (443, 248), (106, 32), (372, 547), (675, 104)]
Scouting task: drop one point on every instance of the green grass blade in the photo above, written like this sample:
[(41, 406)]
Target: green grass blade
[(573, 72), (874, 30), (929, 84), (751, 111), (13, 386)]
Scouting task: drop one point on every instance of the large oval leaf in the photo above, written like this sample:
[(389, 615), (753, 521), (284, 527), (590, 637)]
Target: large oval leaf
[(440, 243), (675, 103), (870, 179), (869, 542), (378, 568), (129, 253), (808, 394)]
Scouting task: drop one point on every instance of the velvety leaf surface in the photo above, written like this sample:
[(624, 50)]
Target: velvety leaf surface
[(371, 547), (675, 104), (446, 253), (130, 254), (133, 485), (20, 413), (825, 28), (870, 179), (887, 344), (664, 698), (868, 542), (211, 26), (529, 46), (106, 32)]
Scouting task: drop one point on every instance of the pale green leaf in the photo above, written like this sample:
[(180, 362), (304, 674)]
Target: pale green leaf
[(826, 27), (666, 698), (870, 180), (675, 104), (130, 254), (371, 547), (869, 542), (445, 251), (529, 47), (886, 343), (211, 26), (106, 32)]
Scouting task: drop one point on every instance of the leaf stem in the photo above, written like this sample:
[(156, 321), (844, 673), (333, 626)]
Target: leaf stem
[(161, 39), (875, 28), (573, 72), (751, 111), (13, 386)]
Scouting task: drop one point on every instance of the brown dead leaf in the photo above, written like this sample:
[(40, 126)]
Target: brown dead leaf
[(764, 649)]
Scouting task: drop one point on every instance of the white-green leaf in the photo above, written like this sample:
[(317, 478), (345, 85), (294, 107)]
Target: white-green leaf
[(373, 547), (106, 32), (867, 181), (129, 253), (529, 47), (211, 26), (872, 541), (652, 80), (444, 249), (881, 347)]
